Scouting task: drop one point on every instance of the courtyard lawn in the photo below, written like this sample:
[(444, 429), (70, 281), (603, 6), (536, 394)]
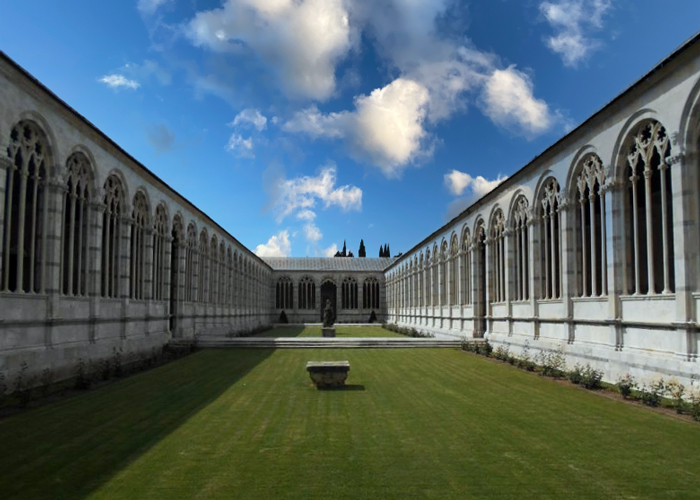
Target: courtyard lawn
[(340, 331), (413, 423)]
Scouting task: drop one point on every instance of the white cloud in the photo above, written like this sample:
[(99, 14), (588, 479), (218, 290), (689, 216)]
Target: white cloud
[(148, 7), (277, 246), (330, 251), (312, 233), (242, 148), (301, 40), (509, 101), (301, 194), (117, 81), (460, 182), (306, 215), (385, 129), (572, 21), (250, 117)]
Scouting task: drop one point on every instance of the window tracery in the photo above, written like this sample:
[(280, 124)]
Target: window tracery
[(76, 224), (307, 293), (24, 239), (370, 293), (349, 293), (139, 230), (160, 241), (111, 236), (649, 203), (285, 291), (190, 263), (498, 260)]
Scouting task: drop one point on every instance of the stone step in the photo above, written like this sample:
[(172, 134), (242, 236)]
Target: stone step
[(325, 343)]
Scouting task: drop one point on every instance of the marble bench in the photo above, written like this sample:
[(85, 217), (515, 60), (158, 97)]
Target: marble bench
[(328, 374)]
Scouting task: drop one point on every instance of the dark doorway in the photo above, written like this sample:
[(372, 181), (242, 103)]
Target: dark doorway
[(328, 292)]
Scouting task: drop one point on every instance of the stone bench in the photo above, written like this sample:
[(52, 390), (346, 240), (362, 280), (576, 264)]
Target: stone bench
[(328, 374)]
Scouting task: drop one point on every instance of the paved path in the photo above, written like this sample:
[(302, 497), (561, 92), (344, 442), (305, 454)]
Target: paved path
[(326, 343)]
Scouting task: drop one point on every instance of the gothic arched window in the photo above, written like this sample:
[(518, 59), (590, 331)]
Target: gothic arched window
[(349, 293), (521, 250), (307, 293), (498, 258), (139, 228), (76, 224), (111, 236), (190, 263), (203, 277), (550, 242), (649, 212), (24, 241), (160, 241), (285, 293), (466, 269), (370, 293)]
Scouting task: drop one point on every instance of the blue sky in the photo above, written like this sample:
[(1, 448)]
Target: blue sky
[(297, 124)]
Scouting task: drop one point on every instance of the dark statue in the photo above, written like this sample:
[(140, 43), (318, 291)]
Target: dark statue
[(328, 315)]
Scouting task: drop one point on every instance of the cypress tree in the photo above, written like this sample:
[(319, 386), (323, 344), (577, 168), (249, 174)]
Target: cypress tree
[(362, 252), (388, 252)]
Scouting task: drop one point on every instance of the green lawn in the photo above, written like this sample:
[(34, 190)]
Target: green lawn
[(413, 423), (340, 331)]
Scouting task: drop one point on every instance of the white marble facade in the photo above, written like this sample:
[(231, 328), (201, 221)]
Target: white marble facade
[(592, 247), (97, 252)]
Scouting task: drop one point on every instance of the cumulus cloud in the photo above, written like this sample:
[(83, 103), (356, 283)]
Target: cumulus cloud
[(509, 101), (148, 7), (312, 233), (572, 21), (277, 246), (302, 194), (391, 127), (300, 40), (119, 81), (385, 128), (330, 251), (161, 137), (458, 183), (250, 118), (240, 147)]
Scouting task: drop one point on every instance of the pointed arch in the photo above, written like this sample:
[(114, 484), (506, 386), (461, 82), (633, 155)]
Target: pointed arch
[(26, 208), (76, 225)]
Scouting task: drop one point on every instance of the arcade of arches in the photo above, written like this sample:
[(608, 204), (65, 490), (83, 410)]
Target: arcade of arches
[(593, 247)]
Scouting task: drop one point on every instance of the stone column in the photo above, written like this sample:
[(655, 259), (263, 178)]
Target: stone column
[(616, 254), (567, 255), (532, 244), (94, 286), (51, 245)]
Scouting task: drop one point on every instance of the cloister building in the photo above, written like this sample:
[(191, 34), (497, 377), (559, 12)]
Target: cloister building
[(591, 248)]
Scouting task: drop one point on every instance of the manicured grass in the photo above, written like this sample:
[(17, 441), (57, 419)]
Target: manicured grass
[(413, 423), (340, 331)]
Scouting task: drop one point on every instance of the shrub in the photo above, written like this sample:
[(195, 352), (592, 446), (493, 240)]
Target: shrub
[(46, 381), (575, 375), (676, 391), (484, 348), (117, 362), (591, 378), (525, 360), (553, 363), (650, 394), (694, 402), (23, 385), (3, 389), (283, 318), (470, 346), (82, 376), (105, 368), (373, 317), (502, 353), (626, 385)]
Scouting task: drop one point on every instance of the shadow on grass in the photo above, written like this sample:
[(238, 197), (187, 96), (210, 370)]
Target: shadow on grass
[(70, 448)]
